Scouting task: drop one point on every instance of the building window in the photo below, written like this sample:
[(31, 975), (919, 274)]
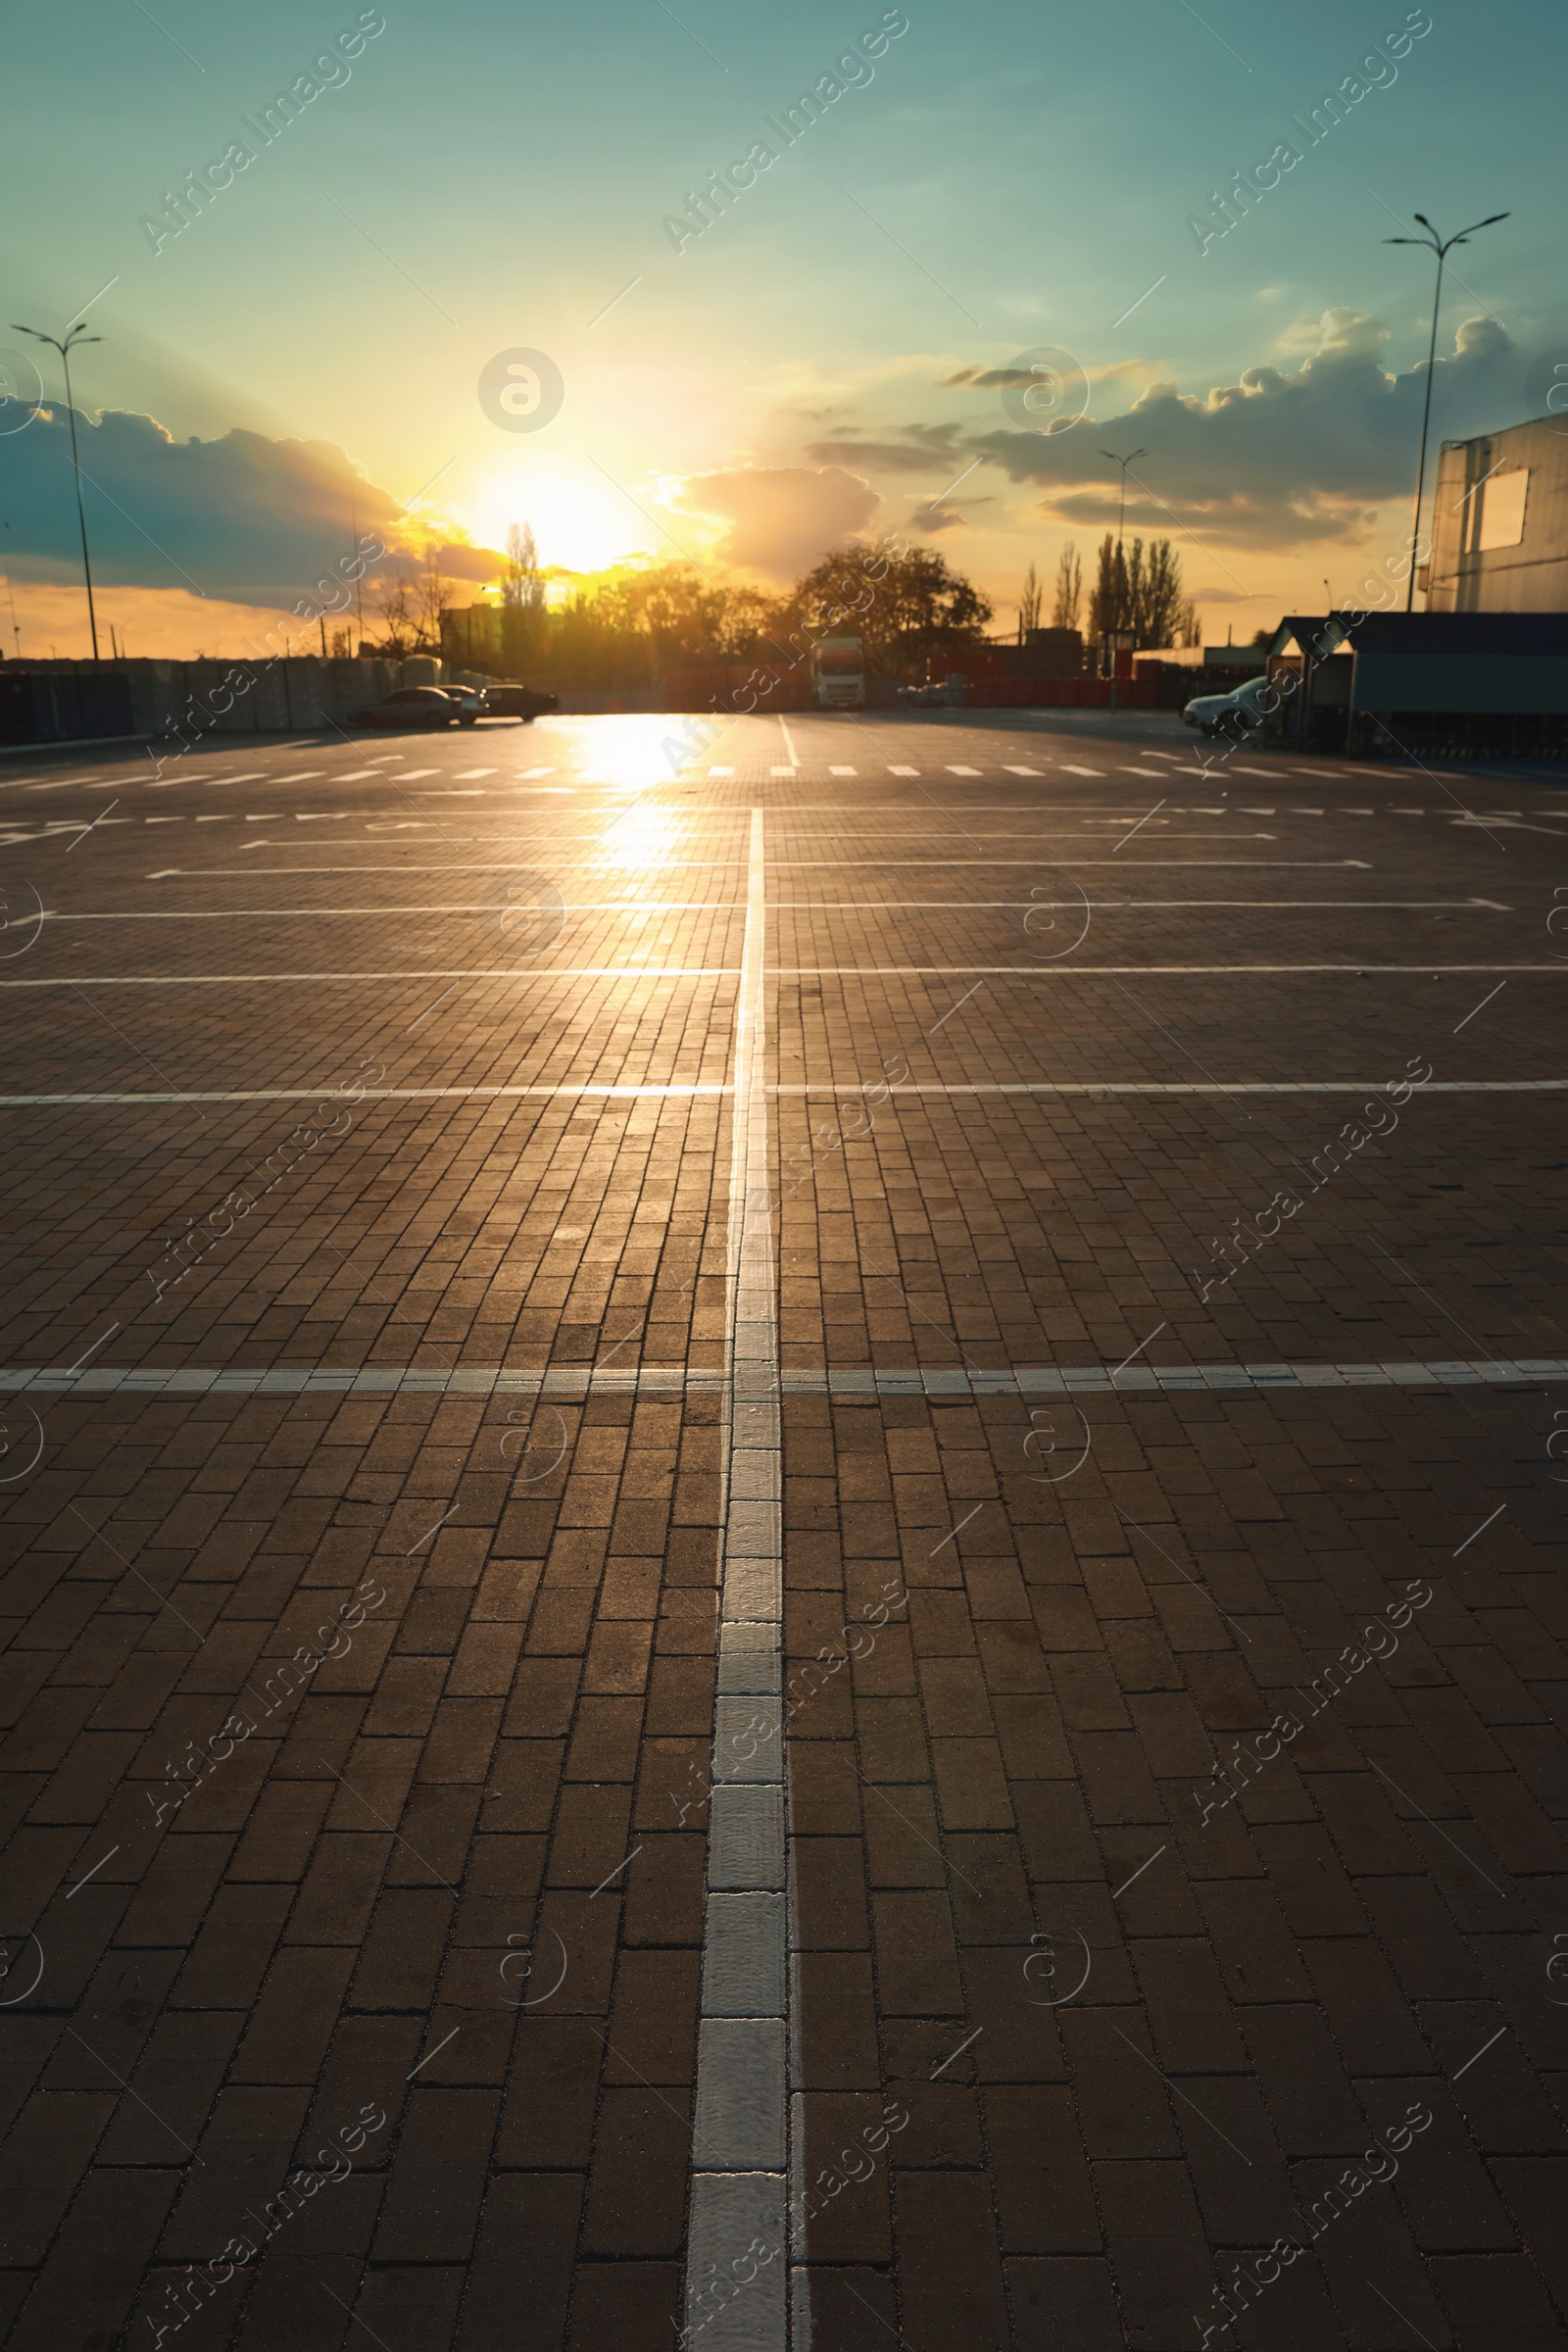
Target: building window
[(1503, 510)]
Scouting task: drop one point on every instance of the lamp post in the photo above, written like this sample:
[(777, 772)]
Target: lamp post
[(1121, 517), (73, 335), (1441, 247)]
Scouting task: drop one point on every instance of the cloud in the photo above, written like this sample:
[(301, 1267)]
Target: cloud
[(1282, 456), (245, 520), (923, 449), (933, 518), (1291, 453), (780, 518)]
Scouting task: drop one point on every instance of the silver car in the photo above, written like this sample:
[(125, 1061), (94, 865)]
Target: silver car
[(1235, 712)]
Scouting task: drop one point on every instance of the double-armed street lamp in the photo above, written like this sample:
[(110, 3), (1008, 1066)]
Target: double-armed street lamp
[(1441, 247), (73, 335)]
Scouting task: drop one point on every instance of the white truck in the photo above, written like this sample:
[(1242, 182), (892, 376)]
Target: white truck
[(838, 673)]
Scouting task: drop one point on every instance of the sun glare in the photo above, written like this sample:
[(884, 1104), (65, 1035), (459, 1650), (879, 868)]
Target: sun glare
[(578, 521)]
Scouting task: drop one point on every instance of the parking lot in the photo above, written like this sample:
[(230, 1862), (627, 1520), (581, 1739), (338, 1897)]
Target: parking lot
[(783, 1543)]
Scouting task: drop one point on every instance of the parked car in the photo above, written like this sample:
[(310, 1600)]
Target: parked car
[(472, 700), (1234, 713), (415, 707), (519, 702)]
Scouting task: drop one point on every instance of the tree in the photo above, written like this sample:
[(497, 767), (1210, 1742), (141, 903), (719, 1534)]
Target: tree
[(1154, 593), (1190, 631), (395, 603), (1030, 597), (522, 601), (434, 599), (1067, 610), (1138, 593), (1109, 597), (908, 609)]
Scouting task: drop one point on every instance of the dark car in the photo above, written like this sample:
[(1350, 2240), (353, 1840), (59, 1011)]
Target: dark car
[(417, 706), (519, 702)]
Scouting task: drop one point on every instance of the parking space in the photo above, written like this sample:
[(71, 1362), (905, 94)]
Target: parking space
[(785, 1543)]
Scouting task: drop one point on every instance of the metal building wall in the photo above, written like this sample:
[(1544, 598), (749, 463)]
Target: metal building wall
[(1531, 577)]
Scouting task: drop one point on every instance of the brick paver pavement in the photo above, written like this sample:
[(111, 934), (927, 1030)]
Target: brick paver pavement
[(1177, 1923)]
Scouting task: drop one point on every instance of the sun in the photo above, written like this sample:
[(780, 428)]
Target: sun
[(578, 521)]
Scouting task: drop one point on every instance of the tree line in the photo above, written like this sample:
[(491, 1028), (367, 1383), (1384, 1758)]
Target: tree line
[(621, 630)]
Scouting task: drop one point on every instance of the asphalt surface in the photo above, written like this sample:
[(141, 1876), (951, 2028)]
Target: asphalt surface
[(783, 1533)]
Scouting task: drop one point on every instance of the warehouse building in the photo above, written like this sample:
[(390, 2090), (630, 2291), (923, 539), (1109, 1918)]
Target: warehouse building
[(1427, 685), (1500, 526)]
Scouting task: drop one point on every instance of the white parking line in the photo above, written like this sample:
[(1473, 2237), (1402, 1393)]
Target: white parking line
[(740, 2139), (572, 1380)]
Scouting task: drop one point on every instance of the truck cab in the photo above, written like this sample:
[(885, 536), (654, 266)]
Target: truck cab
[(838, 673)]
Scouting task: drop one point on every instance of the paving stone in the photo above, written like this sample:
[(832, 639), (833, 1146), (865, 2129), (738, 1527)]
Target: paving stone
[(476, 1892)]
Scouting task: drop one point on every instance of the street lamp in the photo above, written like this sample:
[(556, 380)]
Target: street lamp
[(1121, 517), (1441, 247), (73, 335)]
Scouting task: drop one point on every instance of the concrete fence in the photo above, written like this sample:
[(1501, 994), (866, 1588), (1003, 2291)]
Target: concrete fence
[(176, 703)]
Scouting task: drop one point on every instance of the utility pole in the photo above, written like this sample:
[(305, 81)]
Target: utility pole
[(73, 335), (1441, 247), (1121, 519)]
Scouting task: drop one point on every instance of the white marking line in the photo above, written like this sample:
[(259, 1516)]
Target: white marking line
[(527, 973), (843, 772), (1026, 1380), (684, 1090), (1017, 771), (1063, 971), (421, 1094), (740, 2138), (532, 975), (1069, 769), (1185, 866), (1086, 1086), (904, 771)]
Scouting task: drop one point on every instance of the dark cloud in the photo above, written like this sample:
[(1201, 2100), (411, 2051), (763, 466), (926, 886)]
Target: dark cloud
[(934, 517), (1283, 456), (781, 518), (923, 447), (931, 519), (244, 518), (986, 379)]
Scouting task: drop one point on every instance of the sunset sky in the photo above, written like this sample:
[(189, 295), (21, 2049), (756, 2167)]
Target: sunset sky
[(991, 181)]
